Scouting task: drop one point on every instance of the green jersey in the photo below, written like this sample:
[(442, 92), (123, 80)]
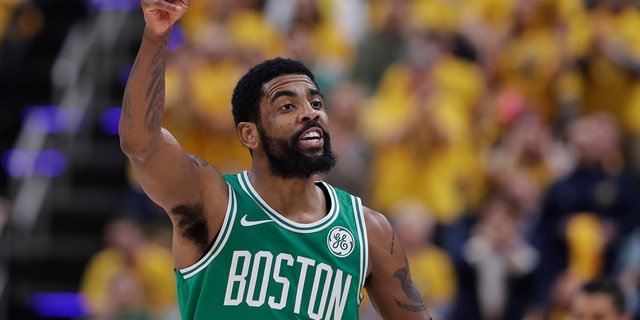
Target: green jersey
[(265, 266)]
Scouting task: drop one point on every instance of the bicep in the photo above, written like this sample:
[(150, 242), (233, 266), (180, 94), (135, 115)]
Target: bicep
[(389, 283), (171, 177)]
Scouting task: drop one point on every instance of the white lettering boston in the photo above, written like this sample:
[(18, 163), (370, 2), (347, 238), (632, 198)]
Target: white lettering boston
[(330, 284)]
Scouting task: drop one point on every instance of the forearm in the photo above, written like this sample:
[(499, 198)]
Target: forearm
[(389, 283), (143, 105)]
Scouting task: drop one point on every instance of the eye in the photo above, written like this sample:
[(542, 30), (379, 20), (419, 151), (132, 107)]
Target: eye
[(317, 104), (287, 106)]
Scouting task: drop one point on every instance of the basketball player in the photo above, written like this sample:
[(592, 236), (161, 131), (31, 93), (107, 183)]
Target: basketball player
[(270, 243)]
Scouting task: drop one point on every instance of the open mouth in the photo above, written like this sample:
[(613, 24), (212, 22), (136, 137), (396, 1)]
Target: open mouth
[(312, 138), (312, 135)]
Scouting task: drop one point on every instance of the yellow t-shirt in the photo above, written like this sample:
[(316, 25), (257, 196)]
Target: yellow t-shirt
[(154, 269), (610, 86), (436, 161), (434, 275), (201, 120)]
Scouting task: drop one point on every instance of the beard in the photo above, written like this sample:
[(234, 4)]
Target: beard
[(287, 160)]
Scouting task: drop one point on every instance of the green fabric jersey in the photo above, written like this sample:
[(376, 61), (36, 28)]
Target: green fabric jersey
[(265, 266)]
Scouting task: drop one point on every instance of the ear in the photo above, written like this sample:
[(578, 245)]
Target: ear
[(249, 135)]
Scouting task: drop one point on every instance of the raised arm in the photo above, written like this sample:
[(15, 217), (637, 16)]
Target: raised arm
[(389, 283), (175, 180)]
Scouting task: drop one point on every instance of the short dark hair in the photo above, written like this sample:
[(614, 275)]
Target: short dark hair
[(245, 102), (609, 288)]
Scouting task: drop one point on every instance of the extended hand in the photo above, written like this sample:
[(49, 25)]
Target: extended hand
[(160, 15)]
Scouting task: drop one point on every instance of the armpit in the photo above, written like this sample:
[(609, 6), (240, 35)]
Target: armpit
[(191, 224)]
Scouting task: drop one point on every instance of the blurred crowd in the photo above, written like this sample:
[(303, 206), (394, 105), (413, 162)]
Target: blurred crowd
[(500, 137)]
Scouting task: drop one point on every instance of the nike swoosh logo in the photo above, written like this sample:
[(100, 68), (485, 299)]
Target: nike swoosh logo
[(247, 223)]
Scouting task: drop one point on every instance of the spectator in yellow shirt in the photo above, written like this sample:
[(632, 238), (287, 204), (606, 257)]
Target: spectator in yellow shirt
[(431, 266), (421, 124), (134, 265)]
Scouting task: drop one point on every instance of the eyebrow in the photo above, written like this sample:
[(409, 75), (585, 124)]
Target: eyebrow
[(315, 92), (282, 93), (289, 93)]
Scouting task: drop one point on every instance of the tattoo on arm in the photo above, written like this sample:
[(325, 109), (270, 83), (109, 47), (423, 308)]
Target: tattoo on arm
[(156, 91), (410, 291), (197, 161), (126, 110), (393, 240), (409, 288)]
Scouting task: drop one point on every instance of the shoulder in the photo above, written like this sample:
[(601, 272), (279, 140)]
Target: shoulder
[(381, 237), (377, 223)]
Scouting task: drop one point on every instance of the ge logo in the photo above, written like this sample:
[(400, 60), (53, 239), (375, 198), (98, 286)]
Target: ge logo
[(340, 241)]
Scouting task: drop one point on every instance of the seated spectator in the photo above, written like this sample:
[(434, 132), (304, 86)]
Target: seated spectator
[(124, 299), (496, 271), (599, 185), (628, 272), (601, 300), (130, 263), (431, 266), (352, 172)]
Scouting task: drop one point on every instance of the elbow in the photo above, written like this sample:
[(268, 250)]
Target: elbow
[(135, 150), (140, 146), (129, 148)]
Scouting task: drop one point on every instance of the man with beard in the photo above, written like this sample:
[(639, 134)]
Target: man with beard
[(270, 243)]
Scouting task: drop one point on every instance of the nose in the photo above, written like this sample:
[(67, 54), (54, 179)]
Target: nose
[(308, 114)]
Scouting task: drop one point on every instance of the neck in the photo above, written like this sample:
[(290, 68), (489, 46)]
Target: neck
[(298, 199)]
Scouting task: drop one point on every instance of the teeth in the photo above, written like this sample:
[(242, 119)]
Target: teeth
[(311, 135)]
